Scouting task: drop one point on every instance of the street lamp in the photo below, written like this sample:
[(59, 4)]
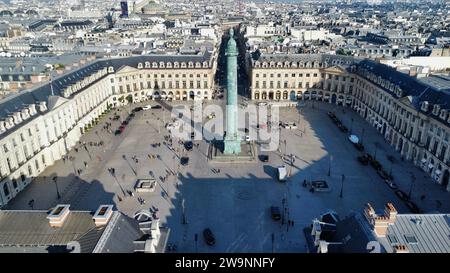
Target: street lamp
[(351, 127), (329, 166), (342, 186), (375, 154), (362, 135), (56, 185), (413, 180)]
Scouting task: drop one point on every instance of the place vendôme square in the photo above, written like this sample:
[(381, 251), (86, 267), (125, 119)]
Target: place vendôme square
[(224, 127)]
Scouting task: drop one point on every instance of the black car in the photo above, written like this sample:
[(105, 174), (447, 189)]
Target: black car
[(412, 207), (359, 146), (117, 132), (184, 161), (209, 237), (188, 145), (264, 158), (402, 195), (116, 117), (275, 212), (363, 160), (137, 109), (156, 107)]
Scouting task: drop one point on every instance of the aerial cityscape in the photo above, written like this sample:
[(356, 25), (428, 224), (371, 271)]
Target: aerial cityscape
[(231, 126)]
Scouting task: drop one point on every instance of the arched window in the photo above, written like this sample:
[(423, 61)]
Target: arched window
[(5, 189)]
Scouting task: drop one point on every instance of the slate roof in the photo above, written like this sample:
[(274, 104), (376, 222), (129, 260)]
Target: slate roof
[(30, 232), (40, 93), (32, 228), (418, 90), (324, 58), (431, 231)]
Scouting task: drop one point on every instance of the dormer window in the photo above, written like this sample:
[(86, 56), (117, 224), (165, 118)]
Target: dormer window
[(424, 106), (162, 64), (169, 65), (443, 114), (190, 64), (139, 65), (436, 109), (183, 65), (110, 69), (198, 65), (154, 65), (176, 65), (205, 64)]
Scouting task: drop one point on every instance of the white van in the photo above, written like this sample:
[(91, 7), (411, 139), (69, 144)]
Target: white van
[(147, 107), (282, 174)]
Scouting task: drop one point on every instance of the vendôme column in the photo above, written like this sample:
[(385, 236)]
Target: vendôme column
[(232, 142)]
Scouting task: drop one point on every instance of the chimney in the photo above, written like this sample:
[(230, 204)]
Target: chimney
[(378, 223), (58, 215), (102, 215), (390, 212), (401, 249)]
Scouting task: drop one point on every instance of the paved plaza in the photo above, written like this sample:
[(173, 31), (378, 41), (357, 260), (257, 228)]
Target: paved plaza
[(234, 203)]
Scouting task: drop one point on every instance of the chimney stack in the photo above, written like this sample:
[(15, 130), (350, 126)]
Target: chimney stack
[(390, 212), (102, 215), (58, 215), (380, 223), (401, 249)]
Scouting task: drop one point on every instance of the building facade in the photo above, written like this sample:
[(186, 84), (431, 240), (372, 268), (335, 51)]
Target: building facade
[(411, 115), (39, 126)]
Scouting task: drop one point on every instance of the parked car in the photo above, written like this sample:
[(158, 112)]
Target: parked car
[(392, 185), (188, 145), (184, 161), (363, 160), (117, 132), (376, 165), (275, 213), (116, 117), (137, 109), (209, 237), (156, 106), (359, 146), (383, 174), (412, 207), (147, 107), (264, 158), (402, 195)]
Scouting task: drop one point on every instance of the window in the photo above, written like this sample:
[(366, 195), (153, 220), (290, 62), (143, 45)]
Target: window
[(5, 189), (5, 148), (411, 239), (393, 240)]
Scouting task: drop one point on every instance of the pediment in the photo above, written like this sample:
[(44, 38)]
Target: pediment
[(126, 69)]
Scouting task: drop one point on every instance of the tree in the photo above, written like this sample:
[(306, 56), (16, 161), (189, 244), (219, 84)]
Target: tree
[(130, 98)]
